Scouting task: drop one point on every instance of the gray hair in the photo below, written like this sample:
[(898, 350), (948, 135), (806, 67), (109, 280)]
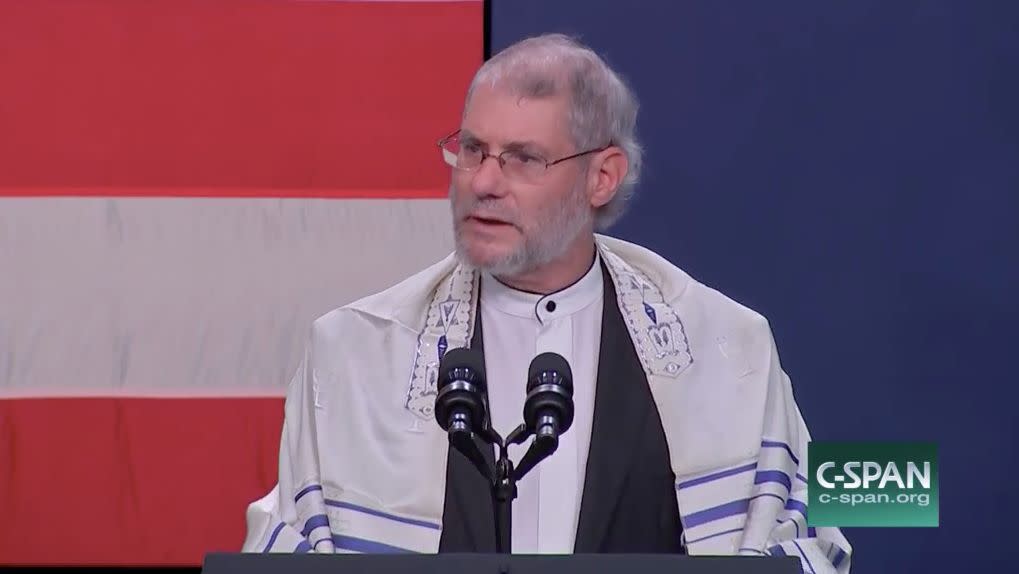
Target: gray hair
[(603, 109)]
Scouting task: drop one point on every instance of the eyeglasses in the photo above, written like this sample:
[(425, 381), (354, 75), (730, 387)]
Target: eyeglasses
[(515, 164)]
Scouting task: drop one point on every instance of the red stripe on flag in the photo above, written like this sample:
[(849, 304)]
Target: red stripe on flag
[(232, 93), (222, 192), (132, 481)]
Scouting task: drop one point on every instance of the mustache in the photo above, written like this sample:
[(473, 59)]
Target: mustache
[(485, 209)]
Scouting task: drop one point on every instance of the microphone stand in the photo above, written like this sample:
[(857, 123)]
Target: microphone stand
[(503, 479), (504, 487), (504, 491)]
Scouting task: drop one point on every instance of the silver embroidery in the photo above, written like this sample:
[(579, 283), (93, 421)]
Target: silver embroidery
[(449, 325), (663, 340), (656, 329)]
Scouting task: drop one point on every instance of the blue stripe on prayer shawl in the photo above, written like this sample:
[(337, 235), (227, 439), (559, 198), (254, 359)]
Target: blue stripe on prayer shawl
[(367, 546), (811, 532), (793, 504), (306, 490), (303, 548), (776, 551), (777, 444), (380, 514), (314, 522), (776, 476), (272, 539), (716, 513), (801, 477), (839, 557), (715, 535), (804, 554), (716, 476)]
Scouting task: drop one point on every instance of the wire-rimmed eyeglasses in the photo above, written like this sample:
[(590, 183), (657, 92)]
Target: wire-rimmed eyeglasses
[(516, 164)]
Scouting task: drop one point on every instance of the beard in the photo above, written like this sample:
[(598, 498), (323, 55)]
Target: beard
[(546, 237)]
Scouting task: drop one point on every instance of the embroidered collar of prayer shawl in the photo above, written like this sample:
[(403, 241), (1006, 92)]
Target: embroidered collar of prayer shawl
[(656, 330)]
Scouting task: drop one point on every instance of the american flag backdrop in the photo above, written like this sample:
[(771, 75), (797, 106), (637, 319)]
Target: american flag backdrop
[(184, 186)]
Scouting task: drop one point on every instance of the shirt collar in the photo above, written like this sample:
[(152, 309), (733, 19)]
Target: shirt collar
[(559, 304)]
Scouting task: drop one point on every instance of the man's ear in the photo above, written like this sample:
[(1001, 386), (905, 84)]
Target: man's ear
[(606, 174)]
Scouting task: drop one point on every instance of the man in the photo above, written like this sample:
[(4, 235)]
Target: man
[(686, 435)]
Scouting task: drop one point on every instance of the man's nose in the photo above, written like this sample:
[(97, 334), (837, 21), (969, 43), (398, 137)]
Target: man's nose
[(488, 179)]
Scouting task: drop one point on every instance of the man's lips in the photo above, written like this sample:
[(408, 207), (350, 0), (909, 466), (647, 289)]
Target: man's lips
[(485, 220)]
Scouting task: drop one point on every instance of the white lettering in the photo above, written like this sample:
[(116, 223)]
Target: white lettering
[(891, 474), (871, 472), (854, 481), (924, 478), (820, 475)]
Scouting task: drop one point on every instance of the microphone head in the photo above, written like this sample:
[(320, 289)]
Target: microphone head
[(459, 400), (550, 368), (549, 392), (462, 364)]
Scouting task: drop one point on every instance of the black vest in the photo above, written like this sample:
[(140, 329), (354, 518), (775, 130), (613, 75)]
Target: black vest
[(629, 499)]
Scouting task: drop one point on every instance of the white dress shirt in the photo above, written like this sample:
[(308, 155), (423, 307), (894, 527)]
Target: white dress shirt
[(517, 326)]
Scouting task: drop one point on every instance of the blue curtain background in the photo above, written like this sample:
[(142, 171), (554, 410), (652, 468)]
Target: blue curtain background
[(850, 170)]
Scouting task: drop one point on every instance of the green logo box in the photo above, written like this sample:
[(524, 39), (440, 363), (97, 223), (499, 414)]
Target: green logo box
[(872, 484)]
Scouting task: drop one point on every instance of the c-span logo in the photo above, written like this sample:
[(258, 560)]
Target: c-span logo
[(872, 484)]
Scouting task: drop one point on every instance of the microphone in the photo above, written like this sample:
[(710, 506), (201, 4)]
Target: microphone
[(460, 405), (548, 408)]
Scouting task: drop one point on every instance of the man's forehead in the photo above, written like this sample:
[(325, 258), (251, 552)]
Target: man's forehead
[(500, 118)]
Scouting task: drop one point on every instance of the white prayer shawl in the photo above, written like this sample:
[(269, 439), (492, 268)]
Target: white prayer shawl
[(363, 462)]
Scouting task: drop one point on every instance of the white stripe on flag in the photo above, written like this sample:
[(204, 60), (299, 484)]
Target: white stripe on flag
[(187, 296)]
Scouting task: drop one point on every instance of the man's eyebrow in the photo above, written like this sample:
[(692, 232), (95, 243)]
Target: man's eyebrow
[(466, 136), (527, 146), (515, 146)]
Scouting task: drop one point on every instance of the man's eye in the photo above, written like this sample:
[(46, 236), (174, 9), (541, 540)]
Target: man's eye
[(523, 158), (471, 147)]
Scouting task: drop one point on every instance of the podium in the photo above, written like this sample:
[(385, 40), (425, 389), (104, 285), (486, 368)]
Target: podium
[(230, 563)]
